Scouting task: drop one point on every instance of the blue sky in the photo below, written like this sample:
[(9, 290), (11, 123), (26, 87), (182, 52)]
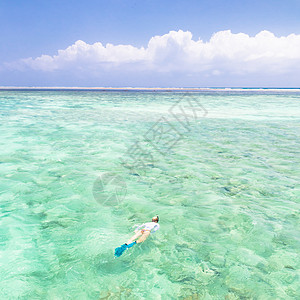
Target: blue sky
[(36, 28)]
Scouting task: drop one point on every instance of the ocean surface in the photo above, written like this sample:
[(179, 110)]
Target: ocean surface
[(78, 169)]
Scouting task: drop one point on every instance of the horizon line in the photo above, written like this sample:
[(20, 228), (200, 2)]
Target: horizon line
[(148, 88)]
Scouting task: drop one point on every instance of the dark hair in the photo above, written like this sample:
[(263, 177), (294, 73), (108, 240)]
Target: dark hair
[(157, 218)]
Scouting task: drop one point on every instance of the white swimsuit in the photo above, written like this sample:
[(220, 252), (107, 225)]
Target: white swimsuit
[(152, 226)]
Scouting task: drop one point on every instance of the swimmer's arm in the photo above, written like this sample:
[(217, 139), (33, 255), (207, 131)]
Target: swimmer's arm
[(156, 227)]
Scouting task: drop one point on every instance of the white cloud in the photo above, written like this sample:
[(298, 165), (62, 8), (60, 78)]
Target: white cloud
[(176, 51)]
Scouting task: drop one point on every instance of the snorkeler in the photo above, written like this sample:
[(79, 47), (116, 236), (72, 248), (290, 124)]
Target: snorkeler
[(142, 232)]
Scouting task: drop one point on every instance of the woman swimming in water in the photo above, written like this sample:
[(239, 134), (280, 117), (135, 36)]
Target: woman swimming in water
[(142, 232)]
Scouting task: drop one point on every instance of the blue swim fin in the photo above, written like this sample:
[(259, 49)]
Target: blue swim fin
[(119, 251), (130, 245)]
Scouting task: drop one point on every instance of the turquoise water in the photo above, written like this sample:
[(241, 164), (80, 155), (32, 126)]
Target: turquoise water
[(227, 193)]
